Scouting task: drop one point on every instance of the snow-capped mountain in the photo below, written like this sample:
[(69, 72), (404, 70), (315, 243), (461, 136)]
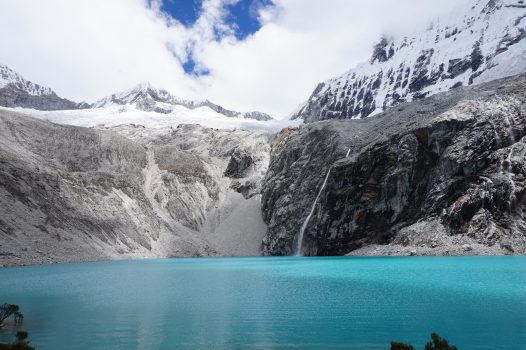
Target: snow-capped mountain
[(147, 98), (10, 77), (478, 42), (15, 91)]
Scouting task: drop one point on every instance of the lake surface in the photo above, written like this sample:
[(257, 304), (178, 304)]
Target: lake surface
[(266, 303)]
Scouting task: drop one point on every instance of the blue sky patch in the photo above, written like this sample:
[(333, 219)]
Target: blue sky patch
[(242, 17), (185, 11), (190, 68)]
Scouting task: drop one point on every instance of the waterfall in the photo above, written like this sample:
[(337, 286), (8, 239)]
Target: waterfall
[(508, 172), (299, 244)]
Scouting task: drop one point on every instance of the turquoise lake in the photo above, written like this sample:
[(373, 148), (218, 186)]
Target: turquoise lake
[(271, 303)]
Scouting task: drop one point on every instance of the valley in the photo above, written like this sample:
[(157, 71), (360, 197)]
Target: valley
[(418, 151)]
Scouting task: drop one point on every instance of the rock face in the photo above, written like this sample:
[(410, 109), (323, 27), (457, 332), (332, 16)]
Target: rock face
[(257, 116), (239, 163), (15, 91), (240, 157), (443, 175), (71, 194), (147, 98), (479, 41)]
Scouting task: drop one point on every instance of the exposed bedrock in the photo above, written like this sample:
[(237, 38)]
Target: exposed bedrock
[(239, 163), (444, 175), (72, 194)]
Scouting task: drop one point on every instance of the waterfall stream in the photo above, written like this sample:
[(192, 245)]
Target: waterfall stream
[(299, 244), (299, 251)]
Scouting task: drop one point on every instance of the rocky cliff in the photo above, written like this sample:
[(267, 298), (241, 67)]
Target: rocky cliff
[(479, 41), (71, 193), (438, 176)]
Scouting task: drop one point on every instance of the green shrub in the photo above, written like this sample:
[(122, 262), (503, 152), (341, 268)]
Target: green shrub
[(436, 343), (8, 310), (21, 343), (401, 346)]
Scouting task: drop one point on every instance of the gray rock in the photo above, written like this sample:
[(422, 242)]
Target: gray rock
[(467, 247), (239, 164), (455, 159), (507, 246), (73, 194), (257, 116), (11, 96), (15, 91)]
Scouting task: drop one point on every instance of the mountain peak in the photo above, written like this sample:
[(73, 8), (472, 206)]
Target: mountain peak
[(15, 91), (9, 77), (147, 98), (144, 86), (476, 42)]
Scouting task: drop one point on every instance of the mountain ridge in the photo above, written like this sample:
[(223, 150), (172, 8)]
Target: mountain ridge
[(16, 91), (481, 42), (148, 98)]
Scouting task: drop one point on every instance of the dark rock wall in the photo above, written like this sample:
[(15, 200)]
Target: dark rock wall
[(457, 158)]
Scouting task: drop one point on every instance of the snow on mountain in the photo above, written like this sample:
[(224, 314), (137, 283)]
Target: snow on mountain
[(15, 91), (10, 77), (478, 42), (142, 105), (143, 93), (120, 115), (147, 98)]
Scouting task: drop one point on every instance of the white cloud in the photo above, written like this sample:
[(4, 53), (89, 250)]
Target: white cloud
[(86, 49)]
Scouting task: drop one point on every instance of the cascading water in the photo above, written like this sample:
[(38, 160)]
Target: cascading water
[(299, 244), (508, 172), (299, 251)]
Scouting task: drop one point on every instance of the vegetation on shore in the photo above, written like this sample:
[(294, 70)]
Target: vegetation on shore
[(436, 343), (8, 310), (21, 343)]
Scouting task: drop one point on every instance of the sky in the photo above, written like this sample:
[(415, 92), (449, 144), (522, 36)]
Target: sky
[(265, 55)]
